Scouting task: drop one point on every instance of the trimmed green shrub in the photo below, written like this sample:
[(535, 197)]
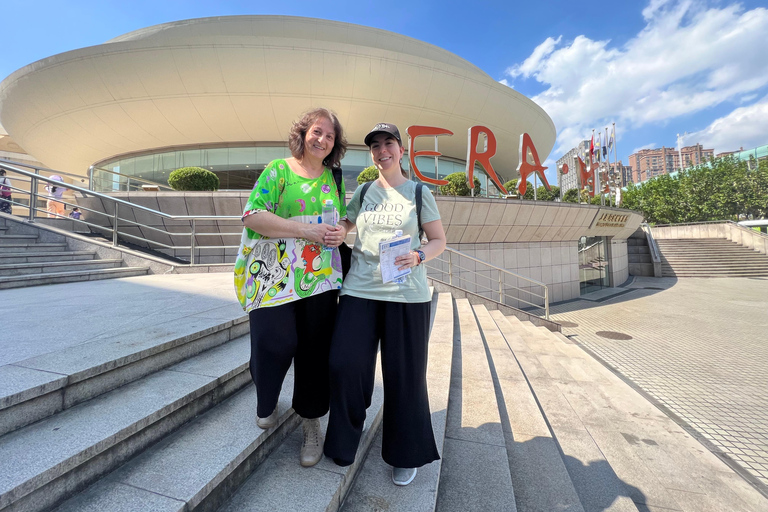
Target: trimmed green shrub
[(368, 174), (193, 178), (458, 185)]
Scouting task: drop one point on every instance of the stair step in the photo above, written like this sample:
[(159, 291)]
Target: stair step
[(32, 257), (373, 483), (539, 476), (475, 474), (27, 269), (41, 247), (38, 387), (58, 456), (553, 379), (15, 239), (280, 483), (7, 282)]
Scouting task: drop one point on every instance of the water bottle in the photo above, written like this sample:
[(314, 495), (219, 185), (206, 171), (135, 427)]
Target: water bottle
[(328, 217), (398, 280)]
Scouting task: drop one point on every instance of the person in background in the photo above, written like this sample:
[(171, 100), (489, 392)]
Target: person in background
[(75, 213), (288, 274), (5, 193), (393, 315), (54, 205)]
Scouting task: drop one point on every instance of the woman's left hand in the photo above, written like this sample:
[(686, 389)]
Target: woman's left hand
[(334, 237), (407, 260)]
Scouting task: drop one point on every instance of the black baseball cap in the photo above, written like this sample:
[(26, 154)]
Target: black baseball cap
[(387, 128)]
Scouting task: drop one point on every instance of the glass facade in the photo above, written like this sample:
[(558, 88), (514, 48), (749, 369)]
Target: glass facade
[(239, 167), (593, 263)]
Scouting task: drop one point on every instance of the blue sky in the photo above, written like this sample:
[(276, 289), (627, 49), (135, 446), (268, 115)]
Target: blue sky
[(656, 68)]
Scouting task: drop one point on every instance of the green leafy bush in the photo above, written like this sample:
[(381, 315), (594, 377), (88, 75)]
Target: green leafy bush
[(193, 178), (458, 185), (368, 174)]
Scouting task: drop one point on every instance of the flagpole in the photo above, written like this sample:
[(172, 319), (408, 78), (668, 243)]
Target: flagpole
[(616, 156)]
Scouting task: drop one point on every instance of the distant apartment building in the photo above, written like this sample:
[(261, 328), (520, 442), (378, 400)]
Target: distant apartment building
[(571, 180), (648, 163)]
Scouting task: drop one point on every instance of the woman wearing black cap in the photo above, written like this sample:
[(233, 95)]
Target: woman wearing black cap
[(393, 314)]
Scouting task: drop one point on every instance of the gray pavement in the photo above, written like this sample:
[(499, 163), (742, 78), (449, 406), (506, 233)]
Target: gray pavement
[(698, 348), (43, 319)]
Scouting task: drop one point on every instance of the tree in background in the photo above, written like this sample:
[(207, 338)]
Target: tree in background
[(458, 185), (723, 189), (511, 187), (368, 174)]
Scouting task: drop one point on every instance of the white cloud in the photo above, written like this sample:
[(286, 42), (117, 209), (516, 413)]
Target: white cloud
[(687, 58), (745, 127)]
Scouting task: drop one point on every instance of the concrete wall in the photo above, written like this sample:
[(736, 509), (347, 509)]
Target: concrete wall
[(744, 236), (536, 239)]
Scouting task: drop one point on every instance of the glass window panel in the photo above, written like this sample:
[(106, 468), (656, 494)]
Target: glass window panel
[(242, 158), (142, 166), (190, 158), (217, 158), (264, 155)]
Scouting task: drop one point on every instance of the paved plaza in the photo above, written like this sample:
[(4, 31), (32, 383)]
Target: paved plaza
[(698, 348)]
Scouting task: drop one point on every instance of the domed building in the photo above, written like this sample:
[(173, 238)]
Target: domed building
[(221, 93)]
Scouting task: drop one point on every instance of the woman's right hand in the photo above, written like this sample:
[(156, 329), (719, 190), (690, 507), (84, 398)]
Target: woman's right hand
[(315, 232)]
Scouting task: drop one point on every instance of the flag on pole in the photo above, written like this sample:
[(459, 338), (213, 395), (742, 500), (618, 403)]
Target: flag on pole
[(597, 146), (613, 136), (592, 146)]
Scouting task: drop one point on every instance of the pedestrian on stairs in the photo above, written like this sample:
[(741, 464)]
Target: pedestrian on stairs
[(393, 315), (54, 205), (288, 274), (5, 193)]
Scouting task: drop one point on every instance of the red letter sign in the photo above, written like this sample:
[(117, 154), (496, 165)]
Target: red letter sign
[(525, 169), (483, 158), (586, 177), (418, 131)]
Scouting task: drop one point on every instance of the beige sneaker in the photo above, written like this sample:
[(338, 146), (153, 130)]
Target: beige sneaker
[(312, 447), (268, 422)]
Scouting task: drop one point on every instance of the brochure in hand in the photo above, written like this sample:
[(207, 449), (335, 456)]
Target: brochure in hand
[(389, 250)]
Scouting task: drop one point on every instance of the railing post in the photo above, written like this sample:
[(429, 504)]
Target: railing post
[(32, 198), (546, 302), (90, 178), (114, 226), (192, 244), (450, 269), (501, 288)]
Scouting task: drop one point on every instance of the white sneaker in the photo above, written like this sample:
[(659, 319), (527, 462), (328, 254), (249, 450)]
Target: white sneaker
[(403, 476), (268, 422), (312, 447)]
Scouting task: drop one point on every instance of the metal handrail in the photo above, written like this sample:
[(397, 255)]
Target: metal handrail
[(38, 168), (126, 176), (655, 254), (455, 270), (114, 217)]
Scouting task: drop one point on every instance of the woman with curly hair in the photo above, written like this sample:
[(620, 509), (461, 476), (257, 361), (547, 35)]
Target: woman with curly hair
[(288, 274)]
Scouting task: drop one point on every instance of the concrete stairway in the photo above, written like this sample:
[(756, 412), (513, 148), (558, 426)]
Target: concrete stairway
[(710, 257), (524, 419), (639, 255), (31, 257)]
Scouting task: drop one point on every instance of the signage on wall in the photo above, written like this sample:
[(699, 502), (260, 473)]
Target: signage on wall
[(612, 220), (524, 169)]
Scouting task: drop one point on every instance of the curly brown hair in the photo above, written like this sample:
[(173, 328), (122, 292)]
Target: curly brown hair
[(299, 133)]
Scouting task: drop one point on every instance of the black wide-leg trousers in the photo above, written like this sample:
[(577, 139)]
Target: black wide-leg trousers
[(299, 331), (403, 329)]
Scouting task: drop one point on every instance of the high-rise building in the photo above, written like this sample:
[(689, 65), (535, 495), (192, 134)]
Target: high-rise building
[(648, 163)]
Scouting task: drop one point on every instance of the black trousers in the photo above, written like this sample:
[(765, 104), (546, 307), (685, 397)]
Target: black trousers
[(300, 331), (403, 329)]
